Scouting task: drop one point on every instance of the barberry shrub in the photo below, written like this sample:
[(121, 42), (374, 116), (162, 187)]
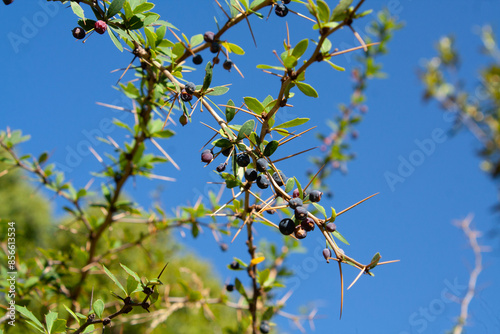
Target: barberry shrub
[(244, 152)]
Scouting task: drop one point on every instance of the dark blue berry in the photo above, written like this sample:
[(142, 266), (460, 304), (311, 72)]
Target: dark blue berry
[(251, 175), (287, 226), (243, 160), (185, 96), (225, 152), (235, 265), (229, 287), (281, 10), (308, 224), (190, 88), (315, 196), (215, 47), (264, 327), (227, 65), (262, 181), (279, 178), (295, 202), (197, 60), (286, 2), (221, 167), (300, 213), (261, 165), (327, 253), (78, 33)]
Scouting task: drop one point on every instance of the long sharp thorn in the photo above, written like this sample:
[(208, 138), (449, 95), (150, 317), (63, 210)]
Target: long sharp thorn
[(357, 277), (341, 289), (292, 155), (123, 74), (352, 206), (314, 177), (162, 270)]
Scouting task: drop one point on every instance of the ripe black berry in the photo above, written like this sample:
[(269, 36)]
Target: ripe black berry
[(243, 160), (300, 233), (271, 212), (331, 227), (262, 181), (185, 96), (300, 213), (229, 287), (281, 10), (327, 253), (8, 2), (215, 47), (100, 27), (78, 33), (279, 178), (208, 37), (227, 65), (286, 2), (190, 88), (287, 226), (197, 60), (225, 152), (183, 119), (106, 321), (221, 167), (315, 196), (250, 175), (295, 202), (261, 165), (224, 247), (207, 156), (264, 327), (235, 265), (308, 224)]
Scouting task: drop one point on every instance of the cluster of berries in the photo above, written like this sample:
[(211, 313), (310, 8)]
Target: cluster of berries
[(305, 224), (261, 166), (100, 27), (215, 47)]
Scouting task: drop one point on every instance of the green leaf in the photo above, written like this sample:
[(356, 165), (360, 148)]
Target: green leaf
[(219, 90), (49, 320), (230, 112), (299, 188), (132, 286), (300, 48), (292, 123), (271, 148), (208, 76), (320, 209), (290, 62), (234, 48), (254, 105), (240, 288), (221, 142), (115, 40), (196, 40), (326, 46), (246, 129), (151, 37), (77, 9), (131, 273), (59, 326), (337, 67), (115, 8), (307, 89), (269, 67), (113, 278), (27, 313), (334, 215), (339, 12), (340, 237), (374, 261), (324, 11), (143, 7), (98, 308), (72, 314), (290, 183), (231, 180)]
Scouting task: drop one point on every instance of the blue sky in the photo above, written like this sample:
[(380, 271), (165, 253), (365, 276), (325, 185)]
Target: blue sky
[(51, 83)]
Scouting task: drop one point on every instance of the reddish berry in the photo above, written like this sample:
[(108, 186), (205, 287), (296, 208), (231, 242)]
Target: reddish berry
[(331, 227), (78, 33), (208, 37), (100, 27), (287, 226), (295, 193), (183, 119), (207, 156), (308, 224), (300, 233), (300, 213)]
